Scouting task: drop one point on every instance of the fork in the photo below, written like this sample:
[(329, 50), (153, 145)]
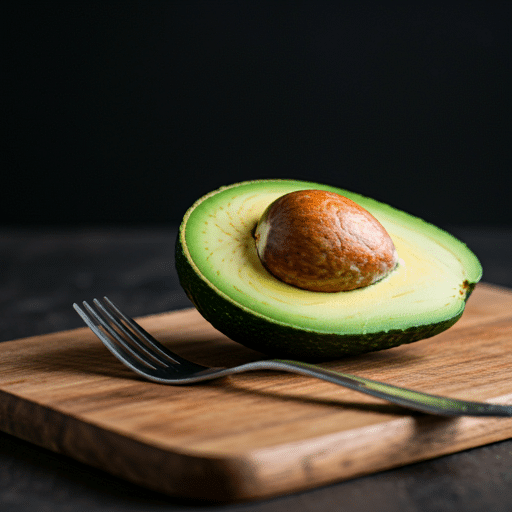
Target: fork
[(141, 352)]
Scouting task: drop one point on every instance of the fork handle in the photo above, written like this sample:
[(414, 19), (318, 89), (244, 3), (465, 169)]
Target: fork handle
[(416, 400)]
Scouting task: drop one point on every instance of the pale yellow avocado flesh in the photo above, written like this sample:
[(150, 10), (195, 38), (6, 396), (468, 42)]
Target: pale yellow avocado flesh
[(430, 284)]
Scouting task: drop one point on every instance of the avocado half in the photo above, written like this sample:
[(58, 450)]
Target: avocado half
[(220, 271)]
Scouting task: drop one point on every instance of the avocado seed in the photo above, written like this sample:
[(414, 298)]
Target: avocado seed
[(322, 241)]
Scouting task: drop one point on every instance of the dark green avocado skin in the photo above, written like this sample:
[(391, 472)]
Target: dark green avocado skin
[(284, 341)]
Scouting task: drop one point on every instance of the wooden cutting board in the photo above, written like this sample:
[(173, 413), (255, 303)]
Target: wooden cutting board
[(258, 434)]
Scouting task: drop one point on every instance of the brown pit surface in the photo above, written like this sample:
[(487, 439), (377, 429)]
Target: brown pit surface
[(322, 241)]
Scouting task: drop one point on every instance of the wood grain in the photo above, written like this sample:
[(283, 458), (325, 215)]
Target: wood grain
[(257, 434)]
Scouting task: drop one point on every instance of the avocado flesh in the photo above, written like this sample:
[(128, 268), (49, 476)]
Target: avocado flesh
[(220, 270)]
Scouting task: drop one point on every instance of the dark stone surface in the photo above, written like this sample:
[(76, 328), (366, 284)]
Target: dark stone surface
[(45, 271)]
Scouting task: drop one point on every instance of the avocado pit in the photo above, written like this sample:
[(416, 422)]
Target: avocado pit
[(322, 241)]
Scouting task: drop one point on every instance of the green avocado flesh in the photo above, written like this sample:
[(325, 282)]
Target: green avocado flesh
[(220, 271)]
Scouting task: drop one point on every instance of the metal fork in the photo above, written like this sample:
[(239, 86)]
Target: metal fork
[(138, 350)]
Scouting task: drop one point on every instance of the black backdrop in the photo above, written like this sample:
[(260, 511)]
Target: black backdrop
[(126, 112)]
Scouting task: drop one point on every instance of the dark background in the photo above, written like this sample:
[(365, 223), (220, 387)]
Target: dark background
[(126, 112)]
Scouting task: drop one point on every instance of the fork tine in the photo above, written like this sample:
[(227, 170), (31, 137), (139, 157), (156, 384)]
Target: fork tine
[(150, 341), (132, 341), (123, 352)]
